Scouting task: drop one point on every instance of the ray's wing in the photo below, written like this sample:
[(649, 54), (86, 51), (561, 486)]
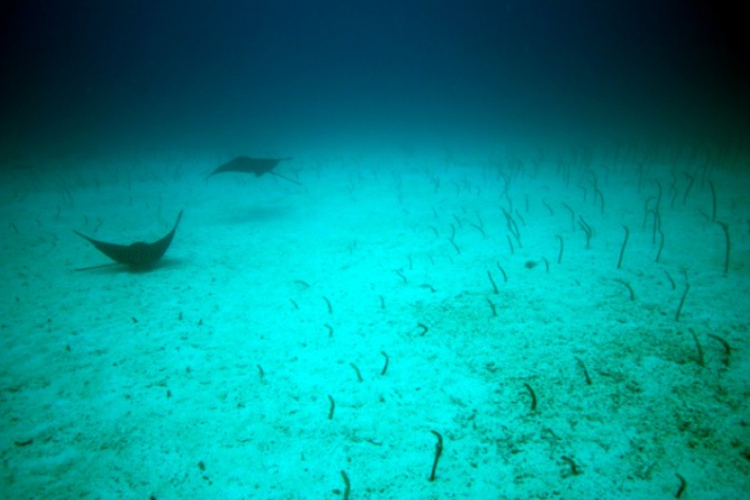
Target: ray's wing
[(154, 251), (239, 164)]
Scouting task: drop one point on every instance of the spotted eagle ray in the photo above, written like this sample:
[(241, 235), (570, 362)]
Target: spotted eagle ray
[(257, 166), (135, 255)]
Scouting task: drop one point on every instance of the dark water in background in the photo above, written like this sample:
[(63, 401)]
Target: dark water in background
[(279, 76)]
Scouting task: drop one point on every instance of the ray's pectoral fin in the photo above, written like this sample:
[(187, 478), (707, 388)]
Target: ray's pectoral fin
[(138, 254)]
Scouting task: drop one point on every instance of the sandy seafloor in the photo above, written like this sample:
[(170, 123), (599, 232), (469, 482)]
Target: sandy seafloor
[(137, 385)]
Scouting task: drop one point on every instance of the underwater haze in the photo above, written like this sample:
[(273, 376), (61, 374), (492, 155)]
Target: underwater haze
[(374, 250), (275, 76)]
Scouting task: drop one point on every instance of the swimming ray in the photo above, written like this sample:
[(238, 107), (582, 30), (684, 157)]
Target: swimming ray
[(257, 166), (135, 255)]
